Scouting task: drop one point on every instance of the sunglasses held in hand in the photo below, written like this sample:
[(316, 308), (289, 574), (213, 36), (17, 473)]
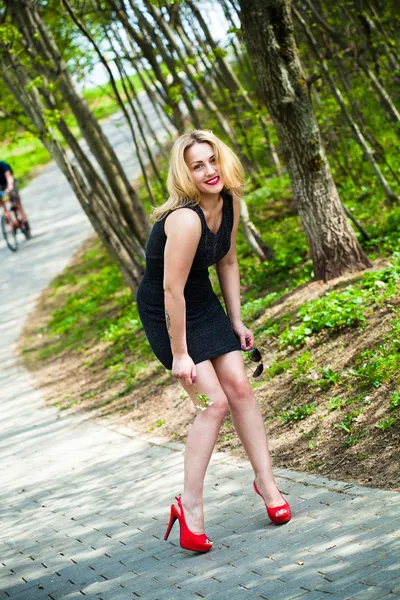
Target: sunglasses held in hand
[(255, 356)]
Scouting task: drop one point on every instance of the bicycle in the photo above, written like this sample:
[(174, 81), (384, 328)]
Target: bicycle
[(11, 222)]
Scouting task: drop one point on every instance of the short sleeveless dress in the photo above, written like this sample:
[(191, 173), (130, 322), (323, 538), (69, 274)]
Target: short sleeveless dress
[(208, 330)]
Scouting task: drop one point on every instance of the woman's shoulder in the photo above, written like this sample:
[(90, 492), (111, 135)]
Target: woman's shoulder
[(183, 219)]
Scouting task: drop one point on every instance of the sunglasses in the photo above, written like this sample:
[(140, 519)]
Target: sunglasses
[(255, 356)]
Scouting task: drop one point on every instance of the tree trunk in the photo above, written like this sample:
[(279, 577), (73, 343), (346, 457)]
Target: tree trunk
[(119, 99), (253, 236), (95, 198), (233, 82), (384, 97), (137, 62), (40, 44), (149, 54), (178, 83), (199, 88), (358, 136), (268, 32)]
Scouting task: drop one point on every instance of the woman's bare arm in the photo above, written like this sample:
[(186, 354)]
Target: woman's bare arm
[(229, 280), (10, 182), (183, 231)]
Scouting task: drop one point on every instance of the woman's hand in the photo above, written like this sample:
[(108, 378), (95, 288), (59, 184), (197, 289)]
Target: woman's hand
[(184, 369), (244, 334)]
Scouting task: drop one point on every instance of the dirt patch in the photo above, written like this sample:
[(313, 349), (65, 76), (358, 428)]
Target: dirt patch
[(318, 443)]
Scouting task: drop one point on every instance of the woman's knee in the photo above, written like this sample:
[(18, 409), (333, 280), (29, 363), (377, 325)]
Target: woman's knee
[(217, 406), (238, 389)]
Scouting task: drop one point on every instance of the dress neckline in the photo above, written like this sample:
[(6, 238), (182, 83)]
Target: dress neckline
[(222, 216)]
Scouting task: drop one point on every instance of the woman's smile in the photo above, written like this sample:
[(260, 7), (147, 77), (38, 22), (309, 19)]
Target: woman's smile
[(212, 181)]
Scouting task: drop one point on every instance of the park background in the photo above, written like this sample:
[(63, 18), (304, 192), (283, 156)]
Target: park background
[(330, 393)]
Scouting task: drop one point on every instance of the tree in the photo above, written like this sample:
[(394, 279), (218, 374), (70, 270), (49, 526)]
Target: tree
[(269, 36), (33, 71)]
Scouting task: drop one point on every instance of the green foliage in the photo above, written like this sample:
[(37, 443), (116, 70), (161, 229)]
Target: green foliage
[(328, 379), (386, 424), (332, 312), (299, 413), (349, 425), (341, 309), (377, 366), (335, 403), (23, 149), (97, 307), (203, 401), (304, 363), (254, 308), (301, 372), (394, 401), (37, 82), (277, 367), (380, 363)]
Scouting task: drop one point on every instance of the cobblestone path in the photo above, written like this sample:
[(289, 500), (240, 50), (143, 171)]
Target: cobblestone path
[(83, 508)]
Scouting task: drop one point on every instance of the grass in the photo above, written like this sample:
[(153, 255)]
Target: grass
[(340, 309), (95, 307), (299, 413)]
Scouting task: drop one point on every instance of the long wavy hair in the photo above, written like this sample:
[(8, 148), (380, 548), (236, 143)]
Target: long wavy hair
[(181, 187)]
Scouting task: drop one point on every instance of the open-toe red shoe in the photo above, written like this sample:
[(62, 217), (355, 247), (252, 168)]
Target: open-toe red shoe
[(278, 514), (198, 542)]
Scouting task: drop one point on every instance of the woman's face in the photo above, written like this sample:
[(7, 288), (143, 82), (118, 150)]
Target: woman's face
[(203, 166)]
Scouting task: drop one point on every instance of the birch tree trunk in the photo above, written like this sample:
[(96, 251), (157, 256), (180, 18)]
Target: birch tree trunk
[(96, 199), (47, 60), (268, 33)]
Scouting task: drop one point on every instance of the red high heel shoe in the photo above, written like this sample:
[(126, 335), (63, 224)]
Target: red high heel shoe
[(279, 514), (198, 542)]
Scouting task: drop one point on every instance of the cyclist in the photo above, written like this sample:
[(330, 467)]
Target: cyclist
[(9, 185)]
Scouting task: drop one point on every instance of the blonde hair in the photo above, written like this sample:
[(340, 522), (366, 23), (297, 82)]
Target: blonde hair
[(181, 187)]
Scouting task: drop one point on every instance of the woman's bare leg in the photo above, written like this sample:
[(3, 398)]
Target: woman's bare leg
[(200, 442), (248, 422)]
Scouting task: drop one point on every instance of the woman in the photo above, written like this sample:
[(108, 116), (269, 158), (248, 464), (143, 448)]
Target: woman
[(187, 327)]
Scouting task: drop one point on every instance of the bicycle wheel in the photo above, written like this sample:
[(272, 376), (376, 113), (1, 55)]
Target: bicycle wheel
[(9, 233)]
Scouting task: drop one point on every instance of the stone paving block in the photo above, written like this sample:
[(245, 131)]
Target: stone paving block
[(350, 592), (373, 593), (168, 593), (315, 596), (348, 579), (59, 588), (277, 590), (235, 593), (30, 594), (142, 585), (379, 577)]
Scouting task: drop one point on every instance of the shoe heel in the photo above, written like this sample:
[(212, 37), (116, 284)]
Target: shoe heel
[(173, 517), (278, 515), (197, 542)]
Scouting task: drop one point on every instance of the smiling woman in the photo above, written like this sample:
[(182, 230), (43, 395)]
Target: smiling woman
[(188, 329)]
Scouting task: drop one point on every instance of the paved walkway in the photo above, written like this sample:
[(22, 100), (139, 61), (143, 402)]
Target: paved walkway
[(83, 508)]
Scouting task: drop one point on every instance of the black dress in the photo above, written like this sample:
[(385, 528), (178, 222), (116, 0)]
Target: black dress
[(208, 330)]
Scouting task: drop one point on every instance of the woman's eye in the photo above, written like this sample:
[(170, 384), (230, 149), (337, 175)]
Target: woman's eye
[(197, 167)]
